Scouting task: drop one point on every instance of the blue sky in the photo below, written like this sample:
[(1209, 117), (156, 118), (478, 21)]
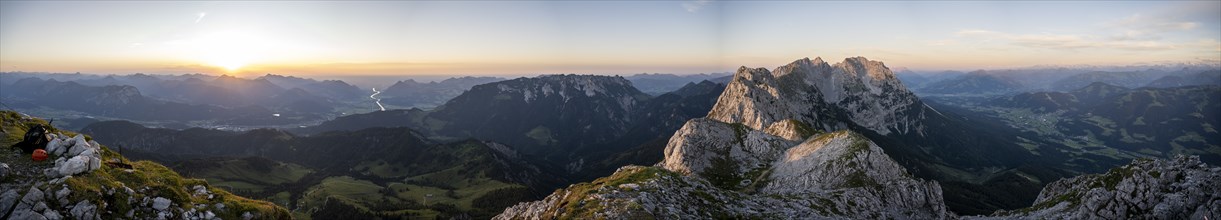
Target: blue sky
[(600, 37)]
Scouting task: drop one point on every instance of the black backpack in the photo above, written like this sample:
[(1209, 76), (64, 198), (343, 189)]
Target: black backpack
[(36, 137)]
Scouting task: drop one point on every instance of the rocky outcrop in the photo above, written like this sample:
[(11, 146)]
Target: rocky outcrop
[(76, 155), (1178, 188), (763, 113), (827, 96), (701, 142), (834, 175)]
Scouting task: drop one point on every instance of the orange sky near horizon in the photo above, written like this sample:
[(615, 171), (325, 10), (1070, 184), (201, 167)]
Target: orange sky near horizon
[(320, 38)]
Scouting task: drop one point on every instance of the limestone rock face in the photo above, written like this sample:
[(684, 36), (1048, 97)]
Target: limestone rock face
[(834, 175), (826, 96), (831, 161), (1178, 188), (700, 142)]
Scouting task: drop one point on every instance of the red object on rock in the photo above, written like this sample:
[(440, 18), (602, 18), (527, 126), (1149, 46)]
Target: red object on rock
[(40, 155)]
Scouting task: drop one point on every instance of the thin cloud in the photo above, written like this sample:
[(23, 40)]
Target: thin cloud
[(1065, 41), (1136, 32), (201, 16), (975, 32), (695, 6), (1141, 22), (943, 42), (1139, 27)]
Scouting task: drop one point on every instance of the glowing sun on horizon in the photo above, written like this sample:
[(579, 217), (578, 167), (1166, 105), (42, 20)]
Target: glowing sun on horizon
[(231, 50)]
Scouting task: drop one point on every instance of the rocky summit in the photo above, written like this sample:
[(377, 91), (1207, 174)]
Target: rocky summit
[(856, 91), (763, 152)]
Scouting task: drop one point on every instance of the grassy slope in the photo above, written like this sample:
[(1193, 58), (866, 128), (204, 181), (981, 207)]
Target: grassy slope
[(376, 187), (148, 179)]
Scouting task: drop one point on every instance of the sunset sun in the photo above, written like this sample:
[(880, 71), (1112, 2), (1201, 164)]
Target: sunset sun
[(230, 50)]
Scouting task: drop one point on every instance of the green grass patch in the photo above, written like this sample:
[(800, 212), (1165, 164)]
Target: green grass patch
[(381, 168)]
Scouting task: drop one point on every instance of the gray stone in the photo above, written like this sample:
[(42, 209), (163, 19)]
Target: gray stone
[(95, 163), (52, 215), (26, 214), (200, 190), (79, 139), (8, 199), (63, 193), (51, 172), (84, 210), (39, 207), (1182, 191), (161, 204), (78, 164), (54, 147), (33, 196), (4, 169)]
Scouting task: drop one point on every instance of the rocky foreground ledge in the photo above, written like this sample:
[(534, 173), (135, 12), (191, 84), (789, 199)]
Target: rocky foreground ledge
[(82, 179), (834, 175), (1178, 188)]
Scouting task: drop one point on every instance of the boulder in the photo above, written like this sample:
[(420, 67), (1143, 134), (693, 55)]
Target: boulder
[(62, 194), (51, 214), (160, 204), (27, 215), (78, 164), (41, 206), (53, 146), (7, 200), (84, 210), (200, 190), (95, 163), (80, 140), (34, 196)]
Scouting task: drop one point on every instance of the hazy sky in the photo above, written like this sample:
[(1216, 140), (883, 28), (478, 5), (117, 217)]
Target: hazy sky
[(602, 37)]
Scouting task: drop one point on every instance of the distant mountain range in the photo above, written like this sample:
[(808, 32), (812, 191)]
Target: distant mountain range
[(1009, 82), (410, 93), (659, 83), (977, 82), (114, 101), (1212, 77)]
